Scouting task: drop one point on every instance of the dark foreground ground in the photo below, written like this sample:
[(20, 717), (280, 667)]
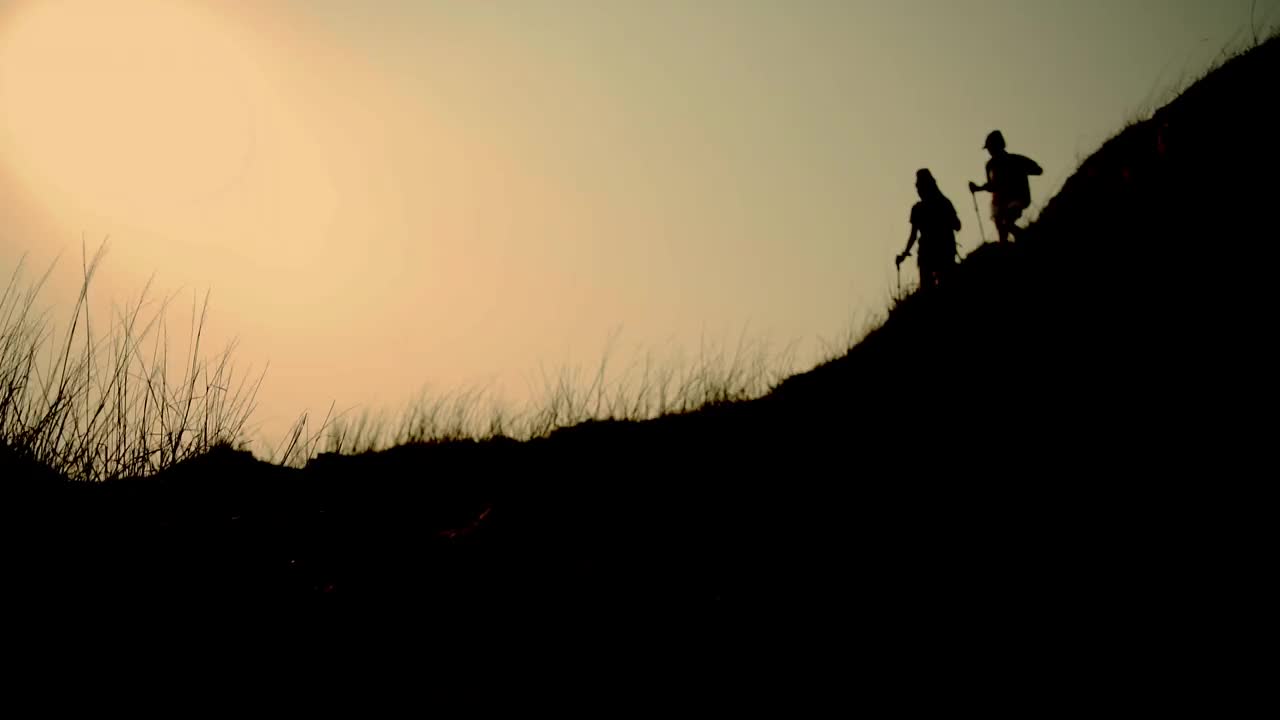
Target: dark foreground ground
[(1088, 485)]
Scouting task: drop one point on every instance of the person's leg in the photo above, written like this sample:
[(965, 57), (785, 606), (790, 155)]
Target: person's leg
[(942, 273), (998, 219), (1009, 222), (926, 277)]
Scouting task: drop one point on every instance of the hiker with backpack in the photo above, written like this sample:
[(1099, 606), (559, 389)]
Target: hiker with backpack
[(934, 223), (1007, 181)]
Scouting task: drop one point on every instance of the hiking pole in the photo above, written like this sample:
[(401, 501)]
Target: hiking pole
[(976, 211)]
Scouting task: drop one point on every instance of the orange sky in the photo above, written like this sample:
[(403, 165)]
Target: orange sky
[(385, 196)]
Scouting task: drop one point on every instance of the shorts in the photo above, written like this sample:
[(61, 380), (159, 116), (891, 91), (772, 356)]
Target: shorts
[(1007, 213)]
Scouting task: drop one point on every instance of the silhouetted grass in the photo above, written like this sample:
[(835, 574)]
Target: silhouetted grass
[(97, 406), (645, 389)]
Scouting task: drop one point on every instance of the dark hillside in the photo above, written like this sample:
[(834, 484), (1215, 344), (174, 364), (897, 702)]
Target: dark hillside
[(1041, 499)]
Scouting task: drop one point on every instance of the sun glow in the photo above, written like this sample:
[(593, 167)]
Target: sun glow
[(133, 106)]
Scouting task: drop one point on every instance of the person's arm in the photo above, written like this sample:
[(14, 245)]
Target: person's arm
[(910, 242), (955, 216), (987, 186), (1032, 167)]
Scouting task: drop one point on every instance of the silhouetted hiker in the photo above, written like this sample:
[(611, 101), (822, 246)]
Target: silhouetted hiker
[(935, 223), (1007, 182)]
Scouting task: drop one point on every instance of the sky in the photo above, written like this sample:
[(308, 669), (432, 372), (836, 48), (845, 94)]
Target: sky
[(382, 196)]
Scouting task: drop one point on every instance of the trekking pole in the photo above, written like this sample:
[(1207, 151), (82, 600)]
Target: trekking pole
[(976, 211)]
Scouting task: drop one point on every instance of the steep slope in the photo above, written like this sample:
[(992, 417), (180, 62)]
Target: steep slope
[(1114, 358)]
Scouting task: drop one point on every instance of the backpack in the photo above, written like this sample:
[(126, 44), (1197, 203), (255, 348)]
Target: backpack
[(937, 221)]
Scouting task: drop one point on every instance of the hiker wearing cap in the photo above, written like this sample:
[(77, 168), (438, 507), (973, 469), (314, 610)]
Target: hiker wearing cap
[(935, 223), (1007, 182)]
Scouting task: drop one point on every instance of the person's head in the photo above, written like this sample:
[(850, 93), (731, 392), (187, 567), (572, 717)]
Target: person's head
[(926, 186), (994, 143)]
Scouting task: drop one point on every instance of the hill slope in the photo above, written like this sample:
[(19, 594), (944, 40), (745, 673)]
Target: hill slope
[(1115, 359)]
